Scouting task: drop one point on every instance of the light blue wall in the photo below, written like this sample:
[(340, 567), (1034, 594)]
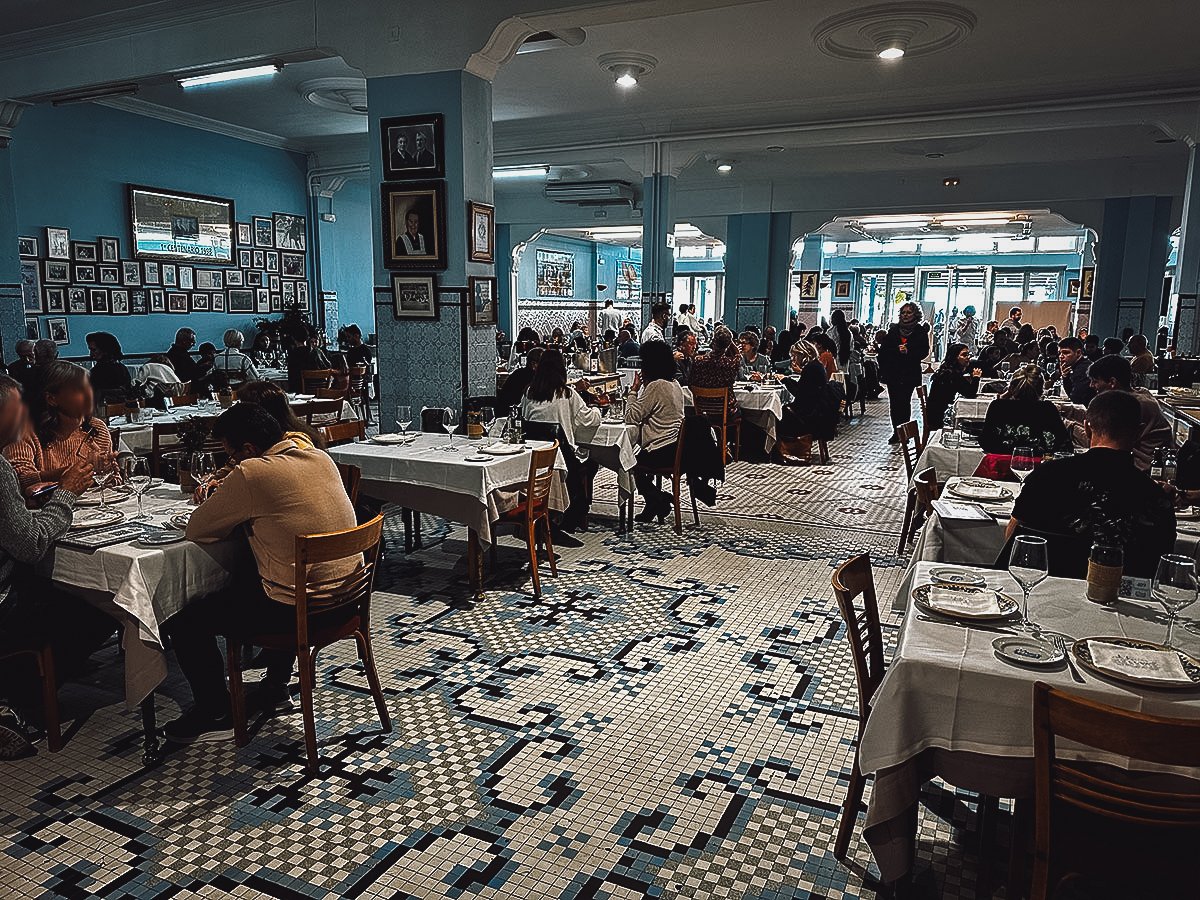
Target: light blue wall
[(345, 249), (584, 253), (70, 167)]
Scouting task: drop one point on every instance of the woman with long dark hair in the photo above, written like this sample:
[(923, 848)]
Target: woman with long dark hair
[(655, 405), (109, 377), (901, 353), (272, 398), (954, 377)]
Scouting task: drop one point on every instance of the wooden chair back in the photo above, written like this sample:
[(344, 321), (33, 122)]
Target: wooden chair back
[(358, 380), (315, 408), (713, 403), (344, 432), (313, 380), (431, 420), (345, 593), (330, 394), (909, 436), (928, 490), (851, 580), (351, 478), (923, 398), (541, 476), (164, 438)]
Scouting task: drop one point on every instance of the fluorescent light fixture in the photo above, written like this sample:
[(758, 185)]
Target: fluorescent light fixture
[(891, 53), (724, 167), (627, 80), (231, 75), (906, 223), (509, 172), (974, 216), (898, 217)]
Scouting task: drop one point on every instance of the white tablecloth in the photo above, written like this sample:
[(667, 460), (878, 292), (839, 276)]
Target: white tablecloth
[(949, 461), (139, 438), (761, 405), (614, 445), (972, 407)]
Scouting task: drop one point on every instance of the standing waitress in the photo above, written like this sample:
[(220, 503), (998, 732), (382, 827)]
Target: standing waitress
[(901, 353)]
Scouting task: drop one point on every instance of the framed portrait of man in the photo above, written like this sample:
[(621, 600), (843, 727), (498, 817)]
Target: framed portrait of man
[(413, 297), (482, 293), (809, 282), (414, 225), (413, 147)]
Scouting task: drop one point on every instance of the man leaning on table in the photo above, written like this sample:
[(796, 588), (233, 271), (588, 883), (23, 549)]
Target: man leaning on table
[(31, 610), (275, 492), (1101, 496)]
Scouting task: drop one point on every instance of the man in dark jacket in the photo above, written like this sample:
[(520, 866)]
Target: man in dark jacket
[(1073, 369)]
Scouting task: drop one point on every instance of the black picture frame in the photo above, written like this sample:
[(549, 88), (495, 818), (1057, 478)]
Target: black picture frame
[(84, 251), (110, 249), (180, 227), (414, 164), (244, 234), (427, 200), (98, 301), (31, 285), (27, 247), (77, 300), (218, 301), (234, 278), (415, 297), (158, 300), (56, 271), (484, 304), (263, 231), (31, 328), (151, 272), (85, 274), (138, 303), (58, 243), (240, 300), (272, 260), (55, 298), (186, 276), (253, 278), (131, 273), (170, 275), (58, 330), (118, 301), (177, 302), (291, 232), (201, 302), (109, 274), (262, 300), (293, 265)]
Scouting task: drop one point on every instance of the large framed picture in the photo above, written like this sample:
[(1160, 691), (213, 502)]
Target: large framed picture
[(1087, 281), (481, 235), (483, 300), (413, 147), (27, 247), (57, 331), (31, 285), (413, 297), (808, 285), (264, 231), (292, 265), (414, 225), (555, 274), (290, 232), (173, 226)]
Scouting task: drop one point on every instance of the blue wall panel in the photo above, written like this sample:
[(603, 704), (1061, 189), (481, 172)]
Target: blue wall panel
[(345, 249)]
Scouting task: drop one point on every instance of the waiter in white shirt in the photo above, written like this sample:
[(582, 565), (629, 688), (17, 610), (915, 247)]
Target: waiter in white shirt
[(659, 313)]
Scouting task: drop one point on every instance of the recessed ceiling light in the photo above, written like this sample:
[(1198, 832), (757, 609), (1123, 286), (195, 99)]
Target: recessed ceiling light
[(934, 155), (890, 53), (950, 182), (231, 75), (775, 148), (626, 80), (724, 166), (627, 68)]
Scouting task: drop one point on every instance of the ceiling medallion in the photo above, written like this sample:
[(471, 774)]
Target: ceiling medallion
[(346, 95), (918, 29)]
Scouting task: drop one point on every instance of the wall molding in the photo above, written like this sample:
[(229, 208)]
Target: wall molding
[(202, 123), (10, 115)]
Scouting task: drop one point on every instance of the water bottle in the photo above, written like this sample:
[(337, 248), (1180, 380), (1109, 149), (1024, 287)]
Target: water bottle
[(1170, 465), (949, 429)]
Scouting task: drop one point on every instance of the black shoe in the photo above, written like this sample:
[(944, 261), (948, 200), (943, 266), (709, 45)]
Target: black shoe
[(705, 493), (14, 744), (267, 697), (566, 539), (648, 514), (893, 440), (197, 726)]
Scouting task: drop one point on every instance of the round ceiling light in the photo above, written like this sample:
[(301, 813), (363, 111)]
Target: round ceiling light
[(892, 52), (627, 68), (346, 95), (724, 166), (889, 31)]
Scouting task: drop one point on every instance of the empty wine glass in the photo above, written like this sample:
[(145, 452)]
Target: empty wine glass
[(1028, 564), (450, 420), (202, 467), (136, 471), (487, 416), (1174, 587), (403, 418), (1022, 462), (102, 472)]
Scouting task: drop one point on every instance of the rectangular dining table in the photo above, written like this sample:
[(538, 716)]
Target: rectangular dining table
[(950, 707), (760, 404)]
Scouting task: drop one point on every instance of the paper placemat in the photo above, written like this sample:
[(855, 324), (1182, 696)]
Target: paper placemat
[(1138, 662)]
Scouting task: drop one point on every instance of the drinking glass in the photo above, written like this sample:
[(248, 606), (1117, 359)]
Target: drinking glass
[(1028, 564), (202, 468), (102, 472), (403, 418), (487, 415), (1022, 462), (1174, 586), (137, 475), (450, 420)]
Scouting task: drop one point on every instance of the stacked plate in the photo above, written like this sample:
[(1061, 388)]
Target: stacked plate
[(980, 489), (963, 602)]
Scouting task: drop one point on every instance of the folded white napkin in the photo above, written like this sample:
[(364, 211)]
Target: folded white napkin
[(980, 487), (964, 601), (1161, 665)]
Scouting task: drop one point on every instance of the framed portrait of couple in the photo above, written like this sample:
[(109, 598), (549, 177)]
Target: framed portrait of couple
[(413, 147)]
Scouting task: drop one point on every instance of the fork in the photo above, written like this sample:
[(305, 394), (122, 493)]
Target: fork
[(1062, 646)]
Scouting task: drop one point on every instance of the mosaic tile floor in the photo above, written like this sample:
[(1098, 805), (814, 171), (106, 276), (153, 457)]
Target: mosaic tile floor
[(674, 718)]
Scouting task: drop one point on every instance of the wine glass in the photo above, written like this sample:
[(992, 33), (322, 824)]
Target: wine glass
[(450, 420), (102, 472), (1174, 587), (487, 416), (136, 471), (1028, 564), (1022, 462), (403, 418), (202, 467)]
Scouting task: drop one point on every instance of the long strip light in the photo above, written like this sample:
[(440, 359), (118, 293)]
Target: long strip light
[(231, 75), (505, 172)]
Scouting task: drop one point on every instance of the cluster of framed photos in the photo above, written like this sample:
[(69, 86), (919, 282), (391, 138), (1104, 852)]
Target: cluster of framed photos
[(90, 277), (413, 198)]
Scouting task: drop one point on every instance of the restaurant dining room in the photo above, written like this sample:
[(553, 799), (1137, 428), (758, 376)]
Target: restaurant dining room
[(608, 449)]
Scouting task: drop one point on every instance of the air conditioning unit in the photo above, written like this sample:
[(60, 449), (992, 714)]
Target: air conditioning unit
[(591, 193)]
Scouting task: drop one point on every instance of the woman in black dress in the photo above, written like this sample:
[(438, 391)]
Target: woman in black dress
[(953, 378), (1021, 418), (901, 353)]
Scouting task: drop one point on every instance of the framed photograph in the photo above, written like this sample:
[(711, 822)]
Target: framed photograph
[(98, 300), (177, 302), (31, 328), (27, 247), (262, 300), (218, 301), (555, 274), (272, 260), (302, 294), (413, 147), (291, 232), (241, 301), (84, 251), (244, 259), (57, 271), (110, 249), (292, 265), (169, 275), (233, 278), (1072, 287), (85, 274), (56, 299), (1087, 282), (414, 225), (289, 291), (258, 259), (243, 234), (482, 292), (31, 285), (273, 283), (200, 303), (151, 273), (254, 279), (264, 231), (77, 300), (841, 289), (158, 300), (481, 237), (58, 243), (138, 304), (413, 297), (186, 277), (110, 274), (174, 226), (808, 284), (131, 274), (119, 300), (57, 331), (208, 279), (276, 303)]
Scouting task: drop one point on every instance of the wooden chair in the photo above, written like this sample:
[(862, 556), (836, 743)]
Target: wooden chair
[(675, 473), (431, 420), (313, 380), (351, 477), (359, 393), (326, 612), (331, 394), (851, 580), (43, 659), (344, 432), (714, 404), (314, 408), (925, 483), (923, 397), (163, 439), (1077, 806), (910, 445), (535, 509)]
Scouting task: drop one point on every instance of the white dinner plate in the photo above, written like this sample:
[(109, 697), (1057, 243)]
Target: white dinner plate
[(952, 576), (1008, 606), (1187, 513), (161, 538), (389, 440), (1027, 650), (980, 489), (504, 449), (1191, 667), (180, 520), (96, 518), (481, 458)]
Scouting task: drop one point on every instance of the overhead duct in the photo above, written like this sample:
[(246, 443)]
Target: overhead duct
[(591, 193)]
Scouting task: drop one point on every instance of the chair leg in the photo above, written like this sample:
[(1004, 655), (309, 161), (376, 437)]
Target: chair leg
[(307, 687), (850, 805), (50, 699), (237, 696), (550, 546), (533, 561), (367, 658), (737, 441), (492, 553), (695, 509), (823, 446), (909, 510), (675, 498)]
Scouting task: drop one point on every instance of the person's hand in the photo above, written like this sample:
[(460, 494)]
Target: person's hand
[(678, 355), (637, 382), (756, 376), (77, 477), (205, 490), (583, 386), (977, 373)]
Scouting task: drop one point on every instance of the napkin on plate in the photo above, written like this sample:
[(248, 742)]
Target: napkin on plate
[(1140, 662), (980, 487), (963, 601)]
